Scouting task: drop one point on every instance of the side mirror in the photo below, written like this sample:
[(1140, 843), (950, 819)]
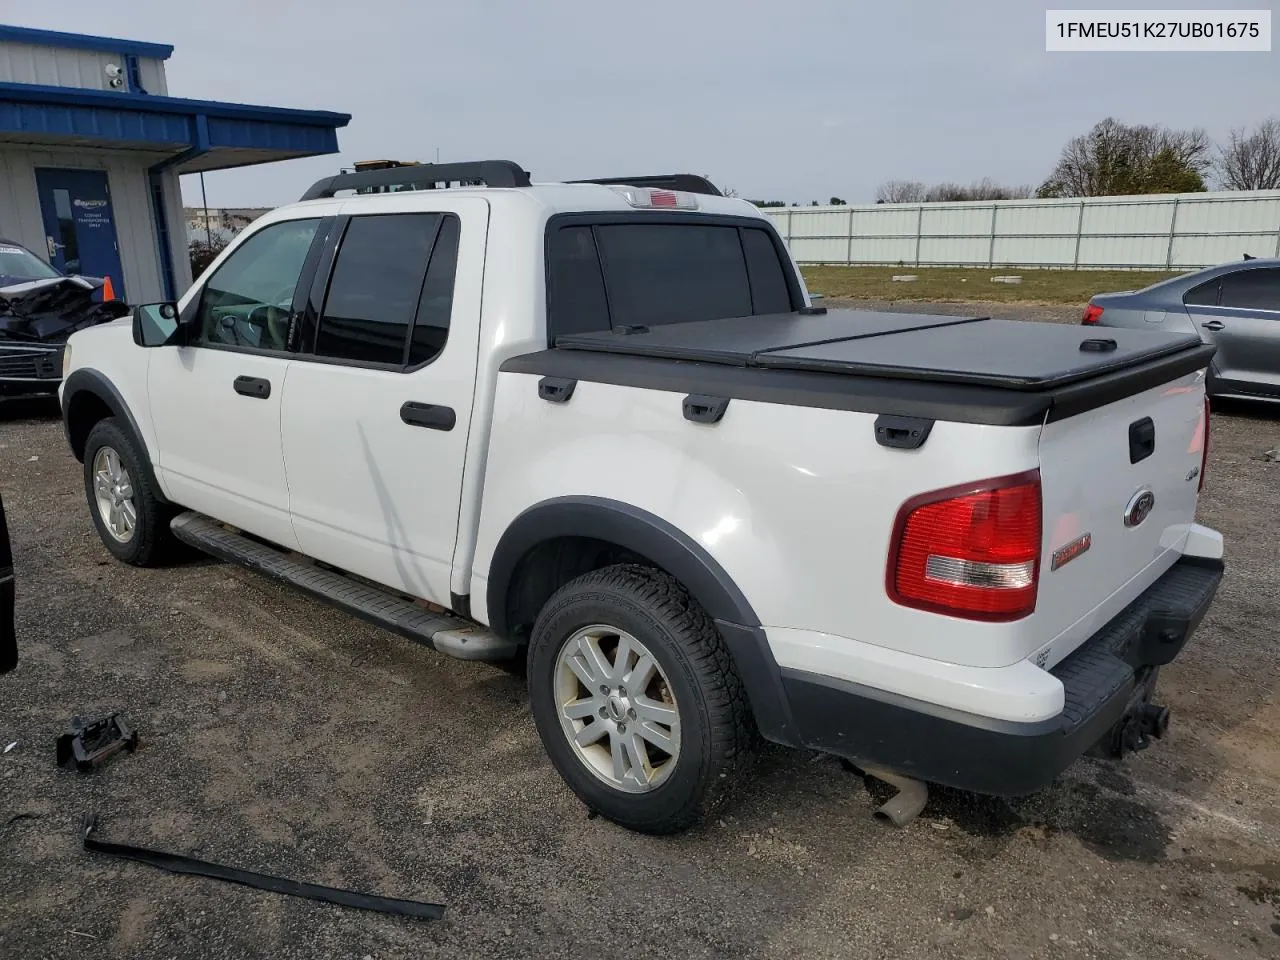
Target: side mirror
[(154, 323)]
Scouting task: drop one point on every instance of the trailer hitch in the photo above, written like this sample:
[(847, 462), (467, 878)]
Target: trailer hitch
[(1138, 727)]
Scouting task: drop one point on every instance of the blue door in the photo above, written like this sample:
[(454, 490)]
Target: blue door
[(79, 227)]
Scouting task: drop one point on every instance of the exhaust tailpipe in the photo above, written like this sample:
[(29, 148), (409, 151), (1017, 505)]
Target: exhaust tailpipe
[(905, 805)]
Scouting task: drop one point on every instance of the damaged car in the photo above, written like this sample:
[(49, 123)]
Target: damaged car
[(39, 309)]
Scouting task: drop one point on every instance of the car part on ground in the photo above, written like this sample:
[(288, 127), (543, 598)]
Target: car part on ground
[(8, 633), (179, 863), (89, 744)]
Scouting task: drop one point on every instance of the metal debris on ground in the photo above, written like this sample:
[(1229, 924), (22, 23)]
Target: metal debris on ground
[(178, 863), (8, 632), (89, 744)]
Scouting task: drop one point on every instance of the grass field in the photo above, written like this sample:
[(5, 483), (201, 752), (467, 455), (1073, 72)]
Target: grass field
[(974, 284)]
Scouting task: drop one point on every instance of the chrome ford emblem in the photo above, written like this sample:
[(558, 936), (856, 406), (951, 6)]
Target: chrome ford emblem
[(1139, 507)]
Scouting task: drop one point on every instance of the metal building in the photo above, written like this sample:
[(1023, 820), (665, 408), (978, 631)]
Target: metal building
[(91, 147)]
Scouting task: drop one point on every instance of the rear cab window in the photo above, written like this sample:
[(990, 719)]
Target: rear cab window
[(610, 271)]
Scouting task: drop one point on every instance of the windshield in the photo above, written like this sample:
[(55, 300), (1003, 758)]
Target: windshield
[(17, 264)]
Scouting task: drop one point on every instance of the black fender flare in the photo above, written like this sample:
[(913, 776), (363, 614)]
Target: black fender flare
[(675, 552), (96, 383)]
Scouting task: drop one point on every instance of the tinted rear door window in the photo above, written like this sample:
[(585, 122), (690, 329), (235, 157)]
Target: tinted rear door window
[(431, 329), (1252, 289), (376, 285), (673, 273)]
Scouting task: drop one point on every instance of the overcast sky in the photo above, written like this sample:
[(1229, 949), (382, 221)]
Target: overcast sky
[(793, 100)]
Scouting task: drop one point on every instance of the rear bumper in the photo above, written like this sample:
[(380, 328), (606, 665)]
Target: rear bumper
[(1005, 757)]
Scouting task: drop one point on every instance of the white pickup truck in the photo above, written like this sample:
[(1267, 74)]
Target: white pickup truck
[(597, 429)]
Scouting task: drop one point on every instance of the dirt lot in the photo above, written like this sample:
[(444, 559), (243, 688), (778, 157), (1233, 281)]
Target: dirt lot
[(282, 736)]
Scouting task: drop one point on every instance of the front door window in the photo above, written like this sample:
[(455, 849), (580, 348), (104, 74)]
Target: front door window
[(248, 302)]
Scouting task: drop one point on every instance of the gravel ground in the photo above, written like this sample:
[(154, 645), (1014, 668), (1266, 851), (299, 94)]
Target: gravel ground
[(282, 736)]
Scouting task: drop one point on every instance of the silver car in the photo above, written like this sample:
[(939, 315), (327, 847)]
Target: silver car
[(1235, 306)]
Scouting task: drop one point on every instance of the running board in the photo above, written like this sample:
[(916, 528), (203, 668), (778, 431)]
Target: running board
[(444, 632)]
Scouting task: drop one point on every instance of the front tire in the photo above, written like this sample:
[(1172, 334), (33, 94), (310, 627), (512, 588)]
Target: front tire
[(636, 699), (130, 518)]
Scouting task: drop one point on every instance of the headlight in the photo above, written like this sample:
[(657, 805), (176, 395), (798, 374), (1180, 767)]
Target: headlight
[(66, 361)]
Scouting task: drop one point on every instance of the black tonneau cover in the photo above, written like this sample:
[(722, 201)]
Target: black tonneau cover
[(976, 351)]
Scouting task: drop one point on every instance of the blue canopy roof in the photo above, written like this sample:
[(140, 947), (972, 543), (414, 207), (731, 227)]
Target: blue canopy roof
[(202, 134)]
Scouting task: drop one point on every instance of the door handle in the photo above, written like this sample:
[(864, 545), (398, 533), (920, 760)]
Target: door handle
[(1213, 325), (255, 387), (428, 415)]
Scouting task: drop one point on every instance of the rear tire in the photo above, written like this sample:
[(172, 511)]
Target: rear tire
[(636, 699), (130, 518)]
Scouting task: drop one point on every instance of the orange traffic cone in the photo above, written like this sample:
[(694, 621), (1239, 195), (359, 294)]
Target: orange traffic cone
[(108, 292)]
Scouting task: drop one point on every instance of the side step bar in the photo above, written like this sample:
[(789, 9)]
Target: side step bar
[(444, 632)]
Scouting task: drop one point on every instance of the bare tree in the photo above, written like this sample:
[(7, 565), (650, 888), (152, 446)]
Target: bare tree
[(912, 191), (1115, 159), (900, 191), (1251, 161), (984, 189)]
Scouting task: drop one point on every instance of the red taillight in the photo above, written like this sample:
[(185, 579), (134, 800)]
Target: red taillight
[(1091, 314), (971, 551)]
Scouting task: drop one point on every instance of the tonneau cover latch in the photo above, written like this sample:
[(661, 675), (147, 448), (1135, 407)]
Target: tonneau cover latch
[(902, 433)]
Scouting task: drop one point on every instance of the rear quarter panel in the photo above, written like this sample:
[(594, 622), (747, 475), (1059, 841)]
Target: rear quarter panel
[(796, 504), (1144, 312)]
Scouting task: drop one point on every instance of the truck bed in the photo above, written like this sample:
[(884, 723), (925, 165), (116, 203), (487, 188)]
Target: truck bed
[(977, 351), (963, 369)]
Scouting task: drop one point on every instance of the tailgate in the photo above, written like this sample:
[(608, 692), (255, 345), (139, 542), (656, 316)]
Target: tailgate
[(1124, 479)]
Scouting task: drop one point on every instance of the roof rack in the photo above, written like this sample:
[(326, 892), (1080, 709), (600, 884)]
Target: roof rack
[(388, 176), (685, 182), (424, 176)]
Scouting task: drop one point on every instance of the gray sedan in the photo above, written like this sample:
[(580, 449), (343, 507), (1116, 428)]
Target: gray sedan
[(1235, 306)]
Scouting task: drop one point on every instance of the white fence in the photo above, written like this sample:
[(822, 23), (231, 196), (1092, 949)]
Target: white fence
[(1164, 231)]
